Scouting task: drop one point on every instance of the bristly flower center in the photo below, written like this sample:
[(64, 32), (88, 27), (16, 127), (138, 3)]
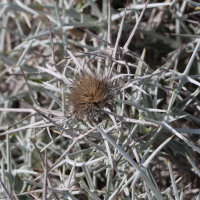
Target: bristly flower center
[(87, 92)]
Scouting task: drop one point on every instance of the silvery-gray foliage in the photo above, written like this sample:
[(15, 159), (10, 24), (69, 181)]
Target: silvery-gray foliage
[(117, 149)]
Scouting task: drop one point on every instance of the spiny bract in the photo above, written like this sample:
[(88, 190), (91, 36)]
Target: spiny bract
[(89, 91)]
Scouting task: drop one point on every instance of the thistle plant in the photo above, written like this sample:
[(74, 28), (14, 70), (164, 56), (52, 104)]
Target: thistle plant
[(101, 120)]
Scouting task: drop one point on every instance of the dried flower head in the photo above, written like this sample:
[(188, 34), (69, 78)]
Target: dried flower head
[(89, 91)]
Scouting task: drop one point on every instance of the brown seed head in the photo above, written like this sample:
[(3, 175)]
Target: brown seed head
[(87, 92)]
